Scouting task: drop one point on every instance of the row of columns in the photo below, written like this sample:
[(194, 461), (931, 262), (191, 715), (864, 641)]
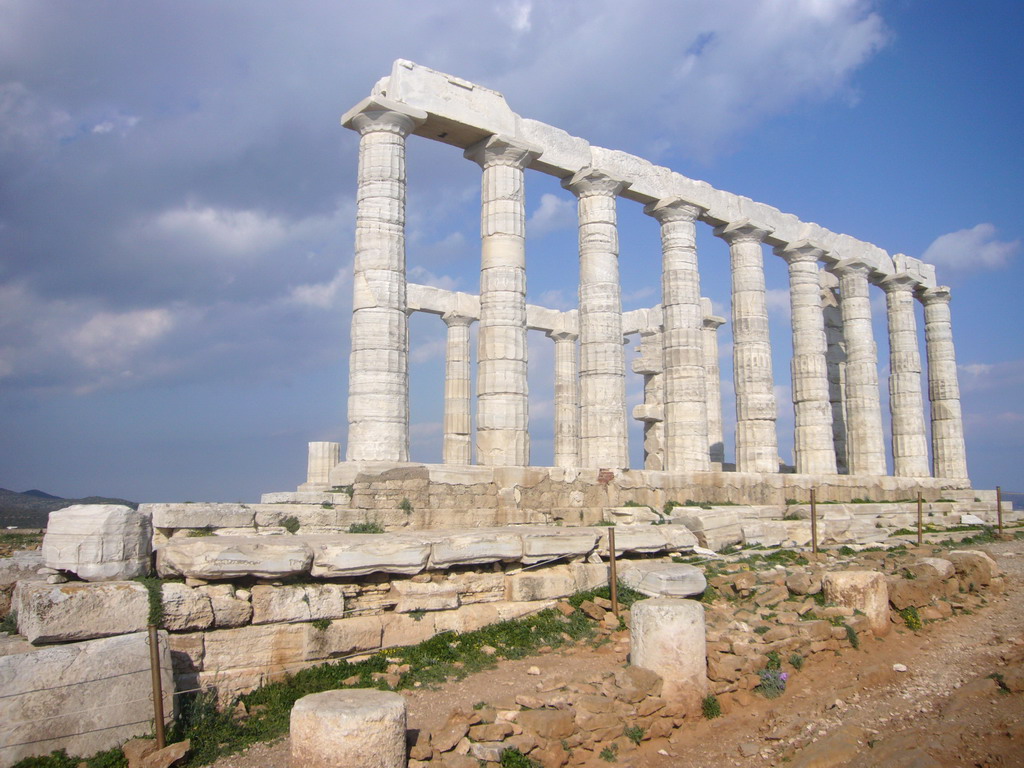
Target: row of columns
[(591, 431)]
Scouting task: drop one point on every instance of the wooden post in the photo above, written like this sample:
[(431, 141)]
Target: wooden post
[(814, 523), (920, 535), (158, 694), (613, 579), (999, 508)]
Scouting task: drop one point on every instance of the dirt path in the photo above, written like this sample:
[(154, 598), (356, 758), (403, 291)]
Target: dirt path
[(942, 712)]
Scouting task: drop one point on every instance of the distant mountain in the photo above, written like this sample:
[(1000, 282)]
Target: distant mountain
[(32, 508)]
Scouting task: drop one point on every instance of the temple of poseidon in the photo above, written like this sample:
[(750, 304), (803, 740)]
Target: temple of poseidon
[(840, 440)]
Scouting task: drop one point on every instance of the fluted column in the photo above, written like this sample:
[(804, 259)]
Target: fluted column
[(650, 363), (713, 382), (835, 359), (378, 394), (814, 452), (949, 456), (457, 448), (502, 435), (567, 411), (685, 389), (603, 437), (906, 404), (757, 447), (865, 442)]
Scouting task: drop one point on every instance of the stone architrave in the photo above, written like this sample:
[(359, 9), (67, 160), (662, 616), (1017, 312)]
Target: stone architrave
[(669, 639), (457, 446), (949, 458), (713, 379), (865, 444), (567, 400), (906, 404), (378, 400), (603, 436), (835, 359), (346, 728), (685, 386), (814, 451), (502, 434), (757, 448)]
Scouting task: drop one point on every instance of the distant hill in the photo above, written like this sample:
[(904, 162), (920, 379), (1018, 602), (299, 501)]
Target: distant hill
[(32, 508)]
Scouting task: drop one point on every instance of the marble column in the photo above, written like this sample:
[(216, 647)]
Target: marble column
[(713, 383), (502, 428), (378, 396), (457, 448), (906, 404), (835, 359), (567, 411), (603, 436), (650, 363), (865, 442), (814, 452), (949, 457), (685, 388), (757, 447)]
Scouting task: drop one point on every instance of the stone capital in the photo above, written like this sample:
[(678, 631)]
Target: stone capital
[(457, 319), (378, 113), (501, 150), (713, 322), (902, 281), (562, 335), (743, 231), (854, 266), (938, 295), (588, 182), (800, 251), (674, 208)]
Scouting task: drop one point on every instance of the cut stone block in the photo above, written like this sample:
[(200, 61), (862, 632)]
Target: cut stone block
[(185, 609), (540, 544), (540, 584), (424, 596), (301, 602), (231, 607), (450, 548), (668, 638), (678, 537), (221, 557), (98, 542), (864, 591), (200, 515), (82, 697), (664, 579), (347, 728), (61, 613), (634, 538), (362, 554)]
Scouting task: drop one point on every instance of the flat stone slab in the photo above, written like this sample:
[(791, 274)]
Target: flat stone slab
[(482, 545), (200, 515), (540, 543), (664, 579), (231, 557), (61, 613), (83, 697), (365, 553)]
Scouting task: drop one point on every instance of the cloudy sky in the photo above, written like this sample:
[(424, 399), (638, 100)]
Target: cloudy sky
[(176, 203)]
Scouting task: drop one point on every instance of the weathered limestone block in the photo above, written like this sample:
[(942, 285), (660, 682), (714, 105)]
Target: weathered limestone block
[(200, 515), (404, 629), (668, 638), (62, 613), (424, 596), (541, 544), (361, 554), (185, 609), (345, 728), (864, 591), (52, 696), (343, 637), (679, 538), (589, 575), (300, 602), (231, 607), (944, 568), (473, 547), (766, 532), (630, 515), (98, 542), (223, 557), (540, 584), (917, 592), (634, 539), (714, 529), (975, 568), (664, 579), (21, 566), (477, 587)]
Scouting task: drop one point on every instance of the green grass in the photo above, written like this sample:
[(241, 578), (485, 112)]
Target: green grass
[(112, 758), (369, 526), (9, 623), (710, 708), (634, 733), (291, 524), (911, 618), (796, 661), (513, 758), (406, 506), (16, 541), (851, 635), (154, 586)]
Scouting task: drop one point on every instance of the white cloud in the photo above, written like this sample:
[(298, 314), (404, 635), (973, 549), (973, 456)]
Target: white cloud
[(552, 214), (322, 295), (232, 232), (777, 301), (424, 276), (556, 299), (974, 248), (108, 339)]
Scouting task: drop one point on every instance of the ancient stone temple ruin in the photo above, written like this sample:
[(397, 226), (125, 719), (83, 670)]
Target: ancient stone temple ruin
[(840, 444)]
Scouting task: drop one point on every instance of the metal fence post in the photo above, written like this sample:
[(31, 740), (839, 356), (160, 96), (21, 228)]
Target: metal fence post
[(158, 695), (999, 507), (814, 523), (614, 578), (920, 535)]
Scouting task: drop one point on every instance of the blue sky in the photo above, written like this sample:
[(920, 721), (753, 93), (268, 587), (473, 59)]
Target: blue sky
[(176, 203)]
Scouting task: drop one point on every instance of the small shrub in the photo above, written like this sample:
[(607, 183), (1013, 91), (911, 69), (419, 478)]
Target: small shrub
[(773, 683), (631, 503), (774, 661), (406, 506), (763, 629), (511, 757), (479, 705), (608, 523), (710, 708), (418, 614), (198, 533), (327, 505), (321, 624), (610, 753), (846, 551), (291, 524), (368, 526), (796, 661), (9, 623), (634, 733), (346, 489), (669, 506), (851, 635), (911, 618)]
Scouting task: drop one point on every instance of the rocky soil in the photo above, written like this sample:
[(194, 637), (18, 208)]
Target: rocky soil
[(949, 694)]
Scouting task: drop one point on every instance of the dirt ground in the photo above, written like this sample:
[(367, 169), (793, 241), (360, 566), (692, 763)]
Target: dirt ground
[(943, 711)]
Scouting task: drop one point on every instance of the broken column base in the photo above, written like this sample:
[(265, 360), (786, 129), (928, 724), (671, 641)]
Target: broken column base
[(346, 728)]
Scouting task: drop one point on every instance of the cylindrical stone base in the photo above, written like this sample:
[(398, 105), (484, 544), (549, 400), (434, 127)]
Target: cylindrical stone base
[(668, 637), (355, 727), (864, 591)]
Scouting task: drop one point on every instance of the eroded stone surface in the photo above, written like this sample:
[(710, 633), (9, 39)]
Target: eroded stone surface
[(864, 591), (669, 639), (355, 727), (98, 542), (61, 613), (223, 557), (664, 579)]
